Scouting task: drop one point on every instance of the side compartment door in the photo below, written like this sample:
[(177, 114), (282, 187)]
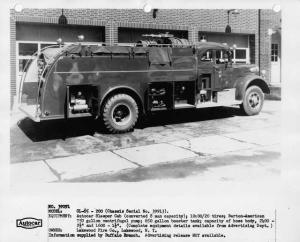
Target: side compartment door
[(159, 95)]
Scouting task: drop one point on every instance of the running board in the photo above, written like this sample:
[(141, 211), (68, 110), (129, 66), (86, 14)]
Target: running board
[(206, 104), (217, 104), (183, 105)]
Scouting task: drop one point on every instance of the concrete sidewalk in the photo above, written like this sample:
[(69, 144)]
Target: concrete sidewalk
[(110, 162)]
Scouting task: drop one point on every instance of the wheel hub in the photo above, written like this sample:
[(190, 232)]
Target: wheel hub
[(254, 100), (121, 114)]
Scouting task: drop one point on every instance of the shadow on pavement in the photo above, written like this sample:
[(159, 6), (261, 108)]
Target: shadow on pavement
[(189, 115), (60, 129), (56, 129)]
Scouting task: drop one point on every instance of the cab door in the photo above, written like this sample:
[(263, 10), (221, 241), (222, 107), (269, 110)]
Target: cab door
[(206, 69), (222, 69)]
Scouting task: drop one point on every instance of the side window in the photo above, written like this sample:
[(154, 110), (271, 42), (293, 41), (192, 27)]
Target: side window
[(274, 52), (207, 56), (223, 56)]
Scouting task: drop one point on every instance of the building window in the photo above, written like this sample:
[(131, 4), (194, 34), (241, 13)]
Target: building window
[(241, 55), (27, 49), (274, 52)]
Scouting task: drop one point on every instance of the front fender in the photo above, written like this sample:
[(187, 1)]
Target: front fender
[(242, 83)]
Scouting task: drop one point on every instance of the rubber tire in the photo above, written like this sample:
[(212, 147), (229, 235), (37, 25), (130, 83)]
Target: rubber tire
[(107, 113), (246, 108)]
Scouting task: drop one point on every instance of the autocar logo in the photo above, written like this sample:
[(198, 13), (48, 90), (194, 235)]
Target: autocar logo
[(29, 223)]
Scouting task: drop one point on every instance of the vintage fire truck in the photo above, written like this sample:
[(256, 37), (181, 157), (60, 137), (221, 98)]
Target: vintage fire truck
[(118, 84)]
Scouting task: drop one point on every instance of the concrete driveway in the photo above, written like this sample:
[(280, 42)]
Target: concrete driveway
[(202, 144)]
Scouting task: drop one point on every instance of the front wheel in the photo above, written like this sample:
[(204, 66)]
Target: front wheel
[(253, 101), (120, 113)]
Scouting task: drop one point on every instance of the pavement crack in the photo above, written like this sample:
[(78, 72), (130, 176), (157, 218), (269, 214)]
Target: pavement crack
[(242, 141), (135, 163), (189, 148), (55, 172)]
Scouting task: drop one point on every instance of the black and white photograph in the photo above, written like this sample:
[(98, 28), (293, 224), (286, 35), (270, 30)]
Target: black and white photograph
[(150, 120), (127, 95)]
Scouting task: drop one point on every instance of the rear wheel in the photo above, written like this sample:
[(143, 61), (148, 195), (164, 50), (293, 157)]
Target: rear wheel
[(253, 100), (120, 113)]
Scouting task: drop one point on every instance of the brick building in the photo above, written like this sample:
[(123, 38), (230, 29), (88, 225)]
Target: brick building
[(33, 29)]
